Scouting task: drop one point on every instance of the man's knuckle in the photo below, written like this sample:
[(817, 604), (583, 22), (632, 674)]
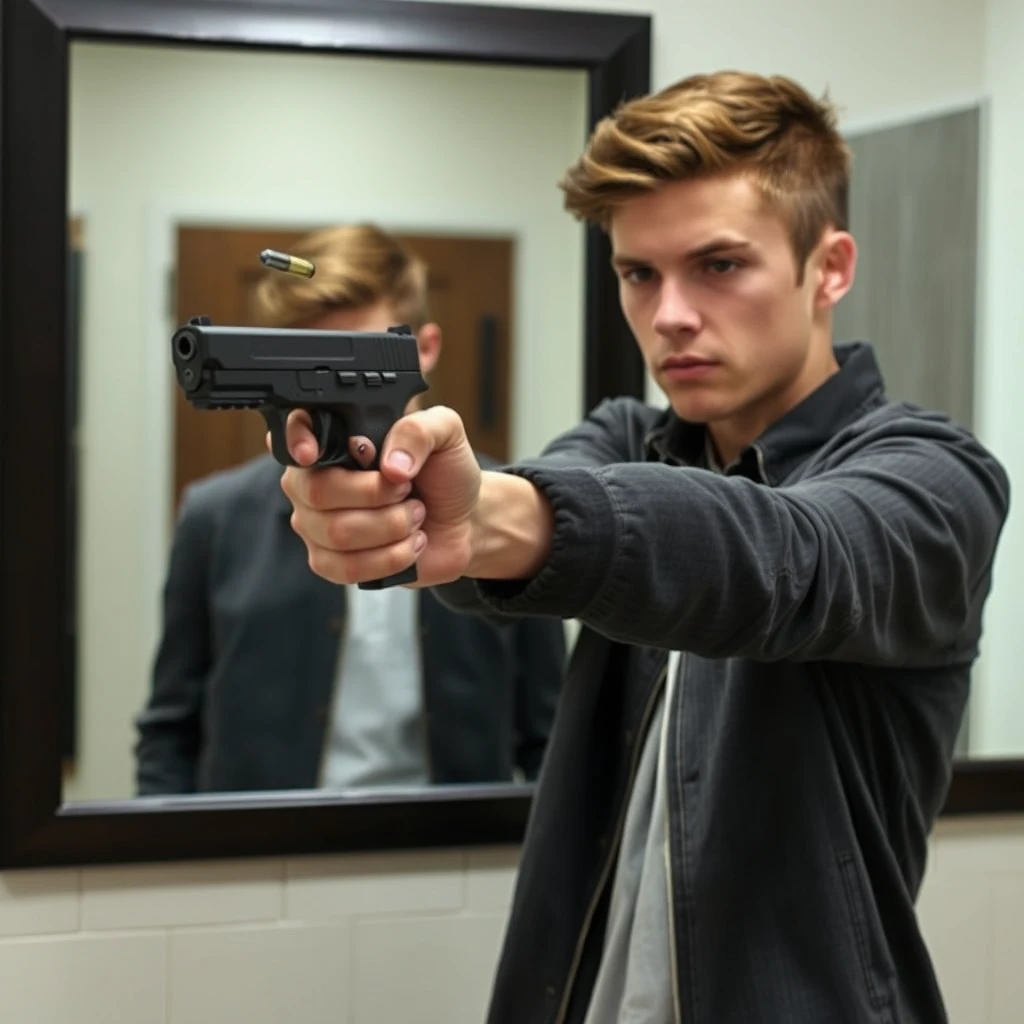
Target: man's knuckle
[(337, 532), (316, 490), (445, 415), (399, 558), (415, 434), (317, 562)]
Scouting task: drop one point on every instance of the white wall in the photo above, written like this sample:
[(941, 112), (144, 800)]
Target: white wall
[(378, 940), (873, 56), (414, 937), (233, 137), (997, 707)]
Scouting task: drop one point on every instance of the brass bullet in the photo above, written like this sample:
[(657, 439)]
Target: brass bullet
[(289, 264)]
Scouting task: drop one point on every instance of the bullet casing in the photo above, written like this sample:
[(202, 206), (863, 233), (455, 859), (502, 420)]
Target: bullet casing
[(289, 264)]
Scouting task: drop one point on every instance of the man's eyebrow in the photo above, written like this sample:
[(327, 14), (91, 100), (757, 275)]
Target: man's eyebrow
[(716, 246), (625, 262)]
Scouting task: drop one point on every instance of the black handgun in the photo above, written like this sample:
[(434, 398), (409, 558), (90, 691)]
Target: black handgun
[(352, 383)]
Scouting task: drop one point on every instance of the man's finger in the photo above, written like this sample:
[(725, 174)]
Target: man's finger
[(358, 529), (333, 488), (414, 438), (360, 566), (302, 443), (362, 450)]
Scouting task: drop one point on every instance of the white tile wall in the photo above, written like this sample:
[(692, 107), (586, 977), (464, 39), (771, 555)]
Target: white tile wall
[(382, 939)]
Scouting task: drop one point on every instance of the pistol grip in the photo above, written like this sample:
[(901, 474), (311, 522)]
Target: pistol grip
[(276, 420), (405, 576)]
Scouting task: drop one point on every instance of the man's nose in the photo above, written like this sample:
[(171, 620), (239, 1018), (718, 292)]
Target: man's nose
[(676, 313)]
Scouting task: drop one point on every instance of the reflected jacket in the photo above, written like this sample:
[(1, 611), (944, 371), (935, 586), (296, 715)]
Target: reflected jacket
[(245, 672)]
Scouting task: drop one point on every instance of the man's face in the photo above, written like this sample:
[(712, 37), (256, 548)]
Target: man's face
[(709, 285)]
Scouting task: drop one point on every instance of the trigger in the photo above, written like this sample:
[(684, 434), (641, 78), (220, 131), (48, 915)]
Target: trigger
[(322, 425), (332, 437)]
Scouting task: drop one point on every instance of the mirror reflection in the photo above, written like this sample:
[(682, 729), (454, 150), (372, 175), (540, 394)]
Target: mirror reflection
[(210, 658)]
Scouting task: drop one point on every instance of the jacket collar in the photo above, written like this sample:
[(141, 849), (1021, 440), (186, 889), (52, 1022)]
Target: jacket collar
[(790, 440)]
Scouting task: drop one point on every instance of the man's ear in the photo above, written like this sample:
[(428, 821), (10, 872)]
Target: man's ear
[(428, 341), (836, 268)]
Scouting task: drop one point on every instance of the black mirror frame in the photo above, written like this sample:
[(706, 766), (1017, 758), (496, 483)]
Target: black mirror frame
[(36, 643)]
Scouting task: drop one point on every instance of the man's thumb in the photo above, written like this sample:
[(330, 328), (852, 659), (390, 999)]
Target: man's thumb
[(414, 438)]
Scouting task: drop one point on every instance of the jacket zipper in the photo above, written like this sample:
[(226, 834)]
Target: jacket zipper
[(676, 1002), (760, 463), (613, 849)]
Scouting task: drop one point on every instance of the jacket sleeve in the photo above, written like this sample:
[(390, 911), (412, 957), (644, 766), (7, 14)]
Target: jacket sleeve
[(602, 438), (540, 666), (168, 727), (884, 558)]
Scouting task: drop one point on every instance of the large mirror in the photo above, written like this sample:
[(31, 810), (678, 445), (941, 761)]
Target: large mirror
[(209, 657), (204, 693)]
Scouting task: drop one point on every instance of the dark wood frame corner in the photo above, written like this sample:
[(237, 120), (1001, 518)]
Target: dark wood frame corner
[(36, 585)]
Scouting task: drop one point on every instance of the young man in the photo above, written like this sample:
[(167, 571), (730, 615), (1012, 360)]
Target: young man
[(780, 580), (267, 677)]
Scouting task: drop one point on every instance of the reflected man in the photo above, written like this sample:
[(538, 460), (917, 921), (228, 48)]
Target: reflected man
[(268, 677)]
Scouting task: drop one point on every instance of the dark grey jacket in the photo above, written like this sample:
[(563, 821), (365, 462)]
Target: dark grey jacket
[(828, 594), (245, 671)]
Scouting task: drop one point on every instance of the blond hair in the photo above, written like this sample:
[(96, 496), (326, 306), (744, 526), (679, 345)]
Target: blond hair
[(357, 265), (720, 124)]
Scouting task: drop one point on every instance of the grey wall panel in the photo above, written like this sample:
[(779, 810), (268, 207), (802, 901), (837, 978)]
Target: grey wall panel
[(914, 214)]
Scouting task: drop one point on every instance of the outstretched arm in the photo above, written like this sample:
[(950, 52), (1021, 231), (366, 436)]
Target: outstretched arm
[(885, 558), (601, 439)]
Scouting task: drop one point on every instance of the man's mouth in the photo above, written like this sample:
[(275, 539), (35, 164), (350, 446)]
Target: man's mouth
[(686, 362)]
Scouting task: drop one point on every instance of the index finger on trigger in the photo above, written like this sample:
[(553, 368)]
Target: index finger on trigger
[(302, 443)]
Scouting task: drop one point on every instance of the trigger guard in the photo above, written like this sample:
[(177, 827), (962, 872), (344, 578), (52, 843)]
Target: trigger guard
[(332, 441)]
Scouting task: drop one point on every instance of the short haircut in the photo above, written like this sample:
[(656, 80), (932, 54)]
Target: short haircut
[(721, 124)]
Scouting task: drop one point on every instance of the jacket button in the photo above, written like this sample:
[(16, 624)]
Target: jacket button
[(320, 714), (335, 623)]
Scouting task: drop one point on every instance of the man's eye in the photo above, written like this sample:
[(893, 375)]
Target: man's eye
[(721, 266), (638, 275)]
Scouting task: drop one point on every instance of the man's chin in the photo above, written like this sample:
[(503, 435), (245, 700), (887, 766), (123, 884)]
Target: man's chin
[(698, 408)]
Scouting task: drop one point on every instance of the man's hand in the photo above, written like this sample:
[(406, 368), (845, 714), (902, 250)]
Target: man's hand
[(366, 524)]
